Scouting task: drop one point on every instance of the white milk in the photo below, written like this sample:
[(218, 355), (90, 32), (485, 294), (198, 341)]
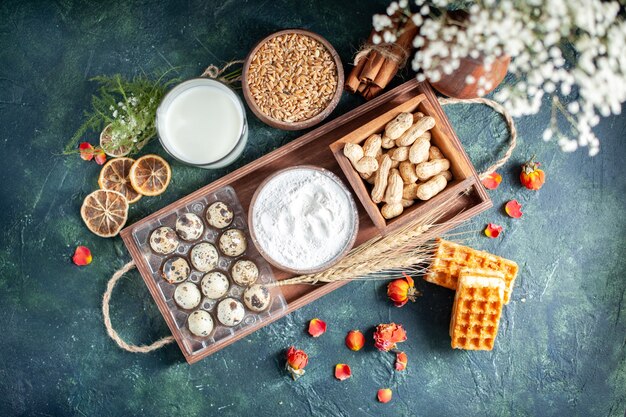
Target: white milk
[(202, 122)]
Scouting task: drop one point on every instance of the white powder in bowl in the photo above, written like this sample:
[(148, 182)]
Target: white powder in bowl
[(303, 218)]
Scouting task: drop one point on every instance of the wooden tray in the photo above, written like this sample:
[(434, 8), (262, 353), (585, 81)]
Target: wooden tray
[(311, 148)]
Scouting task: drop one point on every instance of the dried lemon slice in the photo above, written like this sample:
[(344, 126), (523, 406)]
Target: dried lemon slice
[(105, 212), (150, 175), (110, 145), (114, 177)]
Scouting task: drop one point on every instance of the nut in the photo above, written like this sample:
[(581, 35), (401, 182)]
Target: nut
[(418, 152), (362, 164), (389, 211), (431, 188), (380, 183), (353, 152), (407, 172), (400, 154), (407, 203), (418, 115), (435, 153), (387, 142), (366, 165), (420, 127), (408, 192), (372, 145), (429, 169), (447, 175), (393, 193), (399, 125)]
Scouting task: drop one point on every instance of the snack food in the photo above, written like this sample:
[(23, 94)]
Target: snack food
[(230, 312), (219, 215), (449, 258), (200, 323), (214, 285), (204, 257), (187, 295), (244, 272), (477, 309), (257, 297), (175, 270), (233, 242), (189, 227), (424, 173), (164, 240)]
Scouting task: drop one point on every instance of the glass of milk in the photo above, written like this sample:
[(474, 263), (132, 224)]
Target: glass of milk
[(202, 122)]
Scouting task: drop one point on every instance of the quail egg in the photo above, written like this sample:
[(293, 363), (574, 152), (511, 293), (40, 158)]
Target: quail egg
[(204, 257), (187, 295), (244, 272), (257, 297), (230, 312), (189, 227), (233, 242), (164, 240), (214, 285), (200, 323), (219, 215), (175, 270)]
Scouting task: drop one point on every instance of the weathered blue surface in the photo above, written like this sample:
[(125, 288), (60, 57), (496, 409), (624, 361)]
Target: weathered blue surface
[(561, 347)]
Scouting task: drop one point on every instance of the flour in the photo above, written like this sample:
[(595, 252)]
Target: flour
[(303, 218)]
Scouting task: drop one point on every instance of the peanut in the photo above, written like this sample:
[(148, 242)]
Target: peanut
[(395, 164), (372, 145), (366, 165), (431, 188), (418, 115), (393, 194), (400, 154), (429, 169), (389, 211), (415, 131), (380, 183), (418, 152), (387, 142), (353, 152), (435, 153), (398, 126), (407, 203), (371, 179), (447, 175), (408, 192), (407, 172)]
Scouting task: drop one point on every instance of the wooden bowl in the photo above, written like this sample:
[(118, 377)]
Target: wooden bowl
[(464, 175), (304, 124), (453, 85)]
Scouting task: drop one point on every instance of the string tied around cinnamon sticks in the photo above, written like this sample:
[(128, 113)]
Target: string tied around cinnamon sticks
[(324, 275)]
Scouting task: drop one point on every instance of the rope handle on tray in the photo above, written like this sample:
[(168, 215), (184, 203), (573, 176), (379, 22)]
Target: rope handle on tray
[(106, 298)]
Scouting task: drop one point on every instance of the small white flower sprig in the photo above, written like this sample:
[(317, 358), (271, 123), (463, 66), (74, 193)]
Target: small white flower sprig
[(570, 50)]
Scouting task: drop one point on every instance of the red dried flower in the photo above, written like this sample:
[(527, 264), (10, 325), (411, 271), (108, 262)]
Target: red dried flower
[(493, 230), (492, 181), (384, 395), (402, 290), (82, 256), (342, 371), (401, 361), (317, 327), (296, 361), (531, 176), (355, 340), (387, 336), (514, 209), (86, 151)]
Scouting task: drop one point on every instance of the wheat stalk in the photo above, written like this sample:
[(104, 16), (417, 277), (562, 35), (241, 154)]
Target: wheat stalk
[(406, 250)]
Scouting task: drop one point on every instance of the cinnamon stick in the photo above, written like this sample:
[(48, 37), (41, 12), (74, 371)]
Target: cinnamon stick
[(353, 80), (390, 67)]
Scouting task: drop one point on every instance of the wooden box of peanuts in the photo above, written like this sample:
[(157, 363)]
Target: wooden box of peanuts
[(403, 162)]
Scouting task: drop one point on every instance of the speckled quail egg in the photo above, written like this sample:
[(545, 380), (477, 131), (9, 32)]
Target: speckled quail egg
[(233, 242), (230, 312), (175, 270), (214, 285), (187, 295), (189, 227), (219, 215), (164, 240), (200, 323), (204, 257), (257, 297), (244, 272)]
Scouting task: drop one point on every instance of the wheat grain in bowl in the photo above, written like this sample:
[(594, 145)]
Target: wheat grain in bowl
[(292, 77)]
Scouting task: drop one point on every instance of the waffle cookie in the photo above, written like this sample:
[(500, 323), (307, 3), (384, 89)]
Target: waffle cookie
[(449, 258), (477, 309)]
